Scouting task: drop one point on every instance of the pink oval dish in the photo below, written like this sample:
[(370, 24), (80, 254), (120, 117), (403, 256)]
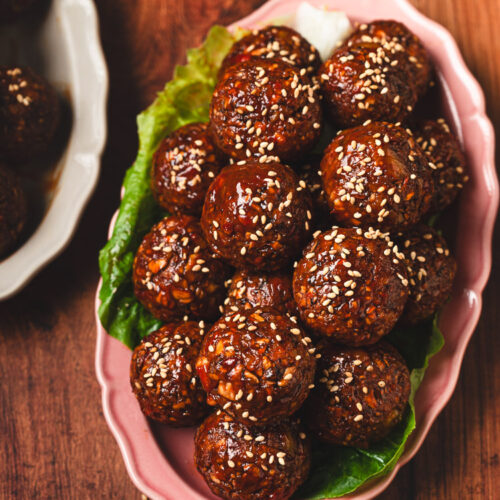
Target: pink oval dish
[(158, 459)]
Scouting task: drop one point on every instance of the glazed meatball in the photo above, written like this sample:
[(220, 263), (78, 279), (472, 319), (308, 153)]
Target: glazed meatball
[(446, 159), (13, 210), (256, 365), (377, 175), (351, 285), (251, 463), (184, 165), (256, 215), (29, 114), (431, 271), (250, 289), (175, 273), (401, 45), (274, 42), (163, 377), (263, 108), (359, 83), (360, 394)]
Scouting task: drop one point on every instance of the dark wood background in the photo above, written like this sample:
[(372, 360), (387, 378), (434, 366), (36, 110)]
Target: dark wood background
[(54, 442)]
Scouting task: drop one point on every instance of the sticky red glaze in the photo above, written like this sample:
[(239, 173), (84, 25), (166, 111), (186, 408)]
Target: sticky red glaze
[(360, 394), (431, 271), (310, 174), (256, 365), (274, 42), (344, 84), (447, 161), (402, 45), (184, 165), (251, 289), (256, 215), (176, 274), (377, 74), (13, 210), (350, 285), (29, 114), (377, 175), (251, 463), (163, 375), (265, 108)]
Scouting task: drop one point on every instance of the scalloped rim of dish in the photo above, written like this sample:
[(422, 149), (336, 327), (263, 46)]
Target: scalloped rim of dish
[(85, 52), (130, 444)]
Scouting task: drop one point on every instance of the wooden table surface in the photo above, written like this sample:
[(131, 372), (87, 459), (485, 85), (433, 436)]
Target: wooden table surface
[(54, 440)]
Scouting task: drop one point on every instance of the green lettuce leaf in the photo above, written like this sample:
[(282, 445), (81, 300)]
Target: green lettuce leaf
[(336, 471), (185, 99)]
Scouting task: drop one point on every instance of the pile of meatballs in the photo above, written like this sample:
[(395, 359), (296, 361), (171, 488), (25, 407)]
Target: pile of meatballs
[(29, 118), (280, 270)]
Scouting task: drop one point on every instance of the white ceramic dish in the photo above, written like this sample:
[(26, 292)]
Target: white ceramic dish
[(66, 49)]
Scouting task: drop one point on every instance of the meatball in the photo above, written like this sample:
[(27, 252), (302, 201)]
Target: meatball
[(251, 463), (360, 395), (163, 377), (256, 365), (250, 289), (431, 271), (29, 114), (446, 159), (377, 175), (13, 210), (274, 42), (256, 215), (402, 45), (351, 285), (359, 83), (175, 273), (265, 107), (184, 165)]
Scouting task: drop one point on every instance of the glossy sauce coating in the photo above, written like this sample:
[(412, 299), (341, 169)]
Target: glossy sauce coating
[(29, 114), (251, 289), (377, 175), (350, 285), (360, 82), (184, 165), (446, 159), (256, 365), (13, 210), (176, 274), (256, 215), (274, 42), (360, 394), (431, 271), (251, 463), (403, 46), (265, 108), (310, 178), (163, 376)]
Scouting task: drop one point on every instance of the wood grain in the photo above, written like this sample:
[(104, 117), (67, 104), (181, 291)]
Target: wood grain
[(54, 442)]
